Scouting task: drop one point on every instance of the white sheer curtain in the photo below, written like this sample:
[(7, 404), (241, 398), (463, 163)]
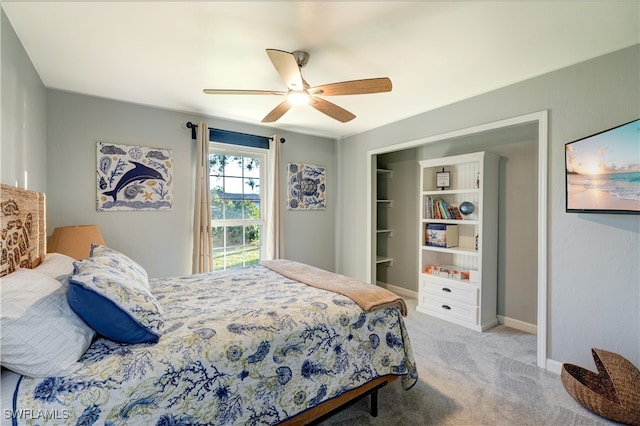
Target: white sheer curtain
[(274, 241), (202, 258)]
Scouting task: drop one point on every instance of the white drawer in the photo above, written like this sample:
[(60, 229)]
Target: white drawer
[(459, 292), (449, 309)]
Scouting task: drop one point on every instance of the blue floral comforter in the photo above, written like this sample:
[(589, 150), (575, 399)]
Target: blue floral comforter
[(240, 347)]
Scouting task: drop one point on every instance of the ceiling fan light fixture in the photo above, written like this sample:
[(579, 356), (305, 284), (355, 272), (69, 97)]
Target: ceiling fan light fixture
[(289, 66), (298, 97)]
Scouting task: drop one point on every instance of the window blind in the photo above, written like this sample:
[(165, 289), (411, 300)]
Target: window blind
[(233, 138)]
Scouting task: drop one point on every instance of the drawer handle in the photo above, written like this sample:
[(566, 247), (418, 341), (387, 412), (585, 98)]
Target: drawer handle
[(446, 290), (447, 307)]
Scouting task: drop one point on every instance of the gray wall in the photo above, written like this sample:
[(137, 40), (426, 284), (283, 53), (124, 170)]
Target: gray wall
[(23, 141), (593, 271), (161, 241), (518, 231)]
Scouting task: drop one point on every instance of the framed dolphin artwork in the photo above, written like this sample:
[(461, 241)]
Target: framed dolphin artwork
[(133, 178)]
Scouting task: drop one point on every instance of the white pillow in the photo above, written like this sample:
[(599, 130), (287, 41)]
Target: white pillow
[(56, 265), (40, 336), (116, 260)]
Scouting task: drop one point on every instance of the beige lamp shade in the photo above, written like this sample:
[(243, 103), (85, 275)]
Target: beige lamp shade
[(74, 241)]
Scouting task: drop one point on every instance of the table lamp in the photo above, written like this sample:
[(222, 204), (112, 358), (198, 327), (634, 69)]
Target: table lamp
[(74, 241)]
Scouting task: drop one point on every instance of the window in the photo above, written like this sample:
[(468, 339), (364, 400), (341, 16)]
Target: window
[(237, 177)]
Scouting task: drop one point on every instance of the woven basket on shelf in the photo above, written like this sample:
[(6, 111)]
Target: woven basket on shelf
[(613, 393)]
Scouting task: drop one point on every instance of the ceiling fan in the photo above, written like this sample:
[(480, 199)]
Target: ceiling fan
[(289, 65)]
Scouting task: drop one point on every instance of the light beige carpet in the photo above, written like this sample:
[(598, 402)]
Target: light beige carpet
[(471, 378)]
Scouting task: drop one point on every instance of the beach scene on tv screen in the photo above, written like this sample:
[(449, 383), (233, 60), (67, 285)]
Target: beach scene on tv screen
[(603, 170)]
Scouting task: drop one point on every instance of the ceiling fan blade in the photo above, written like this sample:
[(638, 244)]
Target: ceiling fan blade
[(353, 87), (332, 110), (287, 67), (242, 92), (277, 112)]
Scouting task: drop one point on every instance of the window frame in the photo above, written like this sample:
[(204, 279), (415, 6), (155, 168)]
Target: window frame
[(263, 156)]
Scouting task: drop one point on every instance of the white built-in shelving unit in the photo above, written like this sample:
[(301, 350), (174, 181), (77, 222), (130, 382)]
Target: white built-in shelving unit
[(459, 284)]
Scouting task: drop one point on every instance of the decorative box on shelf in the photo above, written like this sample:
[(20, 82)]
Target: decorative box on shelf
[(448, 271), (441, 235)]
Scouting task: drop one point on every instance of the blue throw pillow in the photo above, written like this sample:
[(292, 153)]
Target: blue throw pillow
[(113, 304)]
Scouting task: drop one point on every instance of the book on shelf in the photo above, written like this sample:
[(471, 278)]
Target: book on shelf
[(441, 235), (437, 208), (455, 212)]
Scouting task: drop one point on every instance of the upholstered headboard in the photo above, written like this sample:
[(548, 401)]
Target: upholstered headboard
[(23, 235)]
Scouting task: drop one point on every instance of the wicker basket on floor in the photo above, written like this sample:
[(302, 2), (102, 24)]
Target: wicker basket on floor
[(613, 393)]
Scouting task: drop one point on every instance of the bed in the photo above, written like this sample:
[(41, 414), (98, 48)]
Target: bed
[(278, 343)]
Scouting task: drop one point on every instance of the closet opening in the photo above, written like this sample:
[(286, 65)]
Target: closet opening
[(521, 143)]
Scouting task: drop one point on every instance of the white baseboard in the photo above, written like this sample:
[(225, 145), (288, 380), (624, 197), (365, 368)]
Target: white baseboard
[(551, 365), (400, 291), (554, 366), (518, 325)]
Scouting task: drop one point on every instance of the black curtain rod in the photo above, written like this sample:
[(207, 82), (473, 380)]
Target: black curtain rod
[(194, 126)]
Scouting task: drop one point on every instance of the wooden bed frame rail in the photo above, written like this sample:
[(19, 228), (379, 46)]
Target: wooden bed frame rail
[(328, 408)]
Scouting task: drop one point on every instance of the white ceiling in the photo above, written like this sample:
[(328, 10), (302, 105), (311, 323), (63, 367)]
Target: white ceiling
[(164, 53)]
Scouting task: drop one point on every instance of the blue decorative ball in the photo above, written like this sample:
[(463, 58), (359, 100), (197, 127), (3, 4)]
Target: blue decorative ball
[(467, 208)]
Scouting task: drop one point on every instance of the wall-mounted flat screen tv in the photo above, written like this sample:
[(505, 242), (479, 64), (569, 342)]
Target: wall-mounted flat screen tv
[(603, 171)]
